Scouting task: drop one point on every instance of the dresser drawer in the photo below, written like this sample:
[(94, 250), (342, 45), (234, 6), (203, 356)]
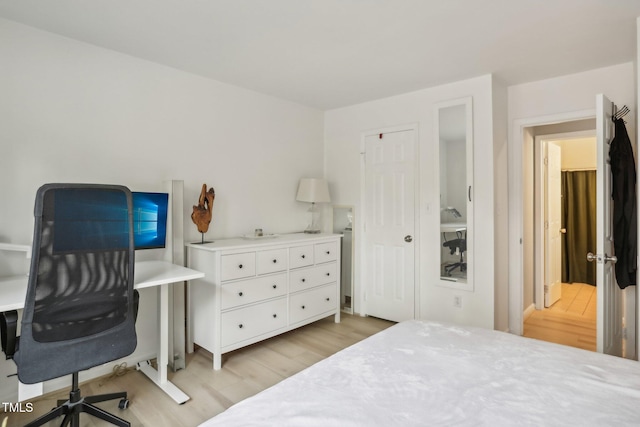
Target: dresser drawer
[(245, 323), (309, 277), (325, 252), (253, 290), (312, 303), (300, 256), (272, 261), (237, 266)]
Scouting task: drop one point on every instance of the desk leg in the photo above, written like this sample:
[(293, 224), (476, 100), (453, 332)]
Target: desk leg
[(29, 391), (160, 376)]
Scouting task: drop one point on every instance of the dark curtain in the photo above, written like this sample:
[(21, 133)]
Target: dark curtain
[(579, 219)]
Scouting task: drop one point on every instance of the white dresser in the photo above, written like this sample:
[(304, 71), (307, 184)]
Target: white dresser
[(256, 289)]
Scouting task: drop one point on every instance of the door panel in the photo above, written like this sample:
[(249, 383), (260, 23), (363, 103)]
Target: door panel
[(553, 223), (610, 302), (389, 218)]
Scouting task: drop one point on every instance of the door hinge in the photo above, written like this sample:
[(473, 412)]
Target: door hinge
[(546, 161), (546, 288)]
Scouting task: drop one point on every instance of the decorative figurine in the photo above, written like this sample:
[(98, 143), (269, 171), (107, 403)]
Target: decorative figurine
[(201, 215)]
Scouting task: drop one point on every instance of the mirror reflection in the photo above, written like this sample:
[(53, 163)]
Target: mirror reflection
[(452, 128)]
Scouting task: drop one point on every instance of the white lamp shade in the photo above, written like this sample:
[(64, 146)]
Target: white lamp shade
[(313, 190)]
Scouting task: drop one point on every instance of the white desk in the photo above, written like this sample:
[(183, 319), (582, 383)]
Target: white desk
[(453, 227), (13, 291)]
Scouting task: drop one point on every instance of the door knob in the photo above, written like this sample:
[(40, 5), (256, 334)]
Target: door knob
[(408, 238), (602, 259), (563, 230)]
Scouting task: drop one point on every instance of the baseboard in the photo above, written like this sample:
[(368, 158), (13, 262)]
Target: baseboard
[(528, 312)]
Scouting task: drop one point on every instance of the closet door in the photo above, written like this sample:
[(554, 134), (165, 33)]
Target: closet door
[(455, 144), (390, 224)]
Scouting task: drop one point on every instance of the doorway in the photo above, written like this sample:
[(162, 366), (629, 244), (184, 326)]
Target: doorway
[(565, 297), (616, 310)]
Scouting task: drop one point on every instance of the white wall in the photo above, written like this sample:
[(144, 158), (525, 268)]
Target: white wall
[(73, 112), (533, 104), (70, 111), (343, 137), (501, 203), (579, 153)]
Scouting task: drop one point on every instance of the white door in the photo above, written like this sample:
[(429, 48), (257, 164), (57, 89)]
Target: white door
[(609, 304), (389, 225), (553, 223)]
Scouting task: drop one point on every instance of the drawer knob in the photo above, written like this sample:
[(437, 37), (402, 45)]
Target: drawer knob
[(303, 256), (240, 326), (303, 307), (275, 261), (304, 280), (275, 315), (328, 252), (240, 266), (328, 299), (275, 286), (240, 294), (328, 274)]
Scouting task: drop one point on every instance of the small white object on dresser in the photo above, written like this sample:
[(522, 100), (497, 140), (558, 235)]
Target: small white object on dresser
[(256, 289)]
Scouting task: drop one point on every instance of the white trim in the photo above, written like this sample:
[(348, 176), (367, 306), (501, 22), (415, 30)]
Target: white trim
[(528, 311)]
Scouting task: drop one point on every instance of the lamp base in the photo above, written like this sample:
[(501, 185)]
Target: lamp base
[(309, 231)]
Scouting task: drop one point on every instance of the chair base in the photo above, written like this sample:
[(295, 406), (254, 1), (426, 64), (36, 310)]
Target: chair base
[(451, 267), (72, 408)]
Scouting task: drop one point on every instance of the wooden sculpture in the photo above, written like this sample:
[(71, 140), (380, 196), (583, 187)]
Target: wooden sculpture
[(201, 215)]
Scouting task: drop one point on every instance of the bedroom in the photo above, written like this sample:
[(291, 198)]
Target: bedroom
[(74, 111)]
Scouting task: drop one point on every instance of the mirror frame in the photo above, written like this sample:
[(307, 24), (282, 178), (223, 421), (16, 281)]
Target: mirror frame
[(467, 102)]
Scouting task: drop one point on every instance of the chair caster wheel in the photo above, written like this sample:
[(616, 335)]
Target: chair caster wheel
[(123, 404)]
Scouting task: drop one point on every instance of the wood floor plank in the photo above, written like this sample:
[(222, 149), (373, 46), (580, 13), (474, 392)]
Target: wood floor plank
[(570, 321)]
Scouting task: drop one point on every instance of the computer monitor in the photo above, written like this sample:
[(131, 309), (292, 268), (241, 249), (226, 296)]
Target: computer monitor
[(69, 209), (150, 219)]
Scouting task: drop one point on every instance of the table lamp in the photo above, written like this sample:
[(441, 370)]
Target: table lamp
[(313, 190)]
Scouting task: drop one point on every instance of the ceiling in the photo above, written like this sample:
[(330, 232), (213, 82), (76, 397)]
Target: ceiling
[(332, 53)]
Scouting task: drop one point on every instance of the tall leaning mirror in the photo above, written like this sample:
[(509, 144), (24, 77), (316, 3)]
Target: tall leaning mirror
[(455, 144)]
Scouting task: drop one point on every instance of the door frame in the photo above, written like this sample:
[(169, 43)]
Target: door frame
[(361, 226), (517, 181), (539, 194)]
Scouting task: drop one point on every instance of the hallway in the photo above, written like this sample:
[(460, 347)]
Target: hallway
[(570, 321)]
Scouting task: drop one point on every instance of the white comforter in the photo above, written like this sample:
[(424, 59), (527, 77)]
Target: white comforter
[(428, 374)]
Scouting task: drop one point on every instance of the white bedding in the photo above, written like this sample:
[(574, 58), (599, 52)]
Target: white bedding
[(426, 373)]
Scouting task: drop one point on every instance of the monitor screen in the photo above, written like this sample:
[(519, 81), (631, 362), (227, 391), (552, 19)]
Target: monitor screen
[(150, 219)]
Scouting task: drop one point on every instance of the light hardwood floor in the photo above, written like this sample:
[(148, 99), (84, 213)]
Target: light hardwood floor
[(570, 321), (244, 373)]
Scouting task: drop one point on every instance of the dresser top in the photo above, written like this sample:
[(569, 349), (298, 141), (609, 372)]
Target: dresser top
[(281, 239)]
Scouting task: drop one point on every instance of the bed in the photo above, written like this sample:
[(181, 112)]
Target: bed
[(431, 373)]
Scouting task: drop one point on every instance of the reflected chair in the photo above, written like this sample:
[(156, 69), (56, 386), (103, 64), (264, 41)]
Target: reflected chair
[(80, 306), (456, 246)]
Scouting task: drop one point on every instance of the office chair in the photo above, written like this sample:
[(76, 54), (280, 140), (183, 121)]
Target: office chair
[(80, 306), (457, 245)]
